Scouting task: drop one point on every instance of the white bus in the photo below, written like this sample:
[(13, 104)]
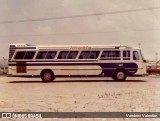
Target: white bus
[(49, 62)]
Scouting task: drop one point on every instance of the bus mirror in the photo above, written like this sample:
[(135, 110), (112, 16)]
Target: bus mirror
[(144, 61)]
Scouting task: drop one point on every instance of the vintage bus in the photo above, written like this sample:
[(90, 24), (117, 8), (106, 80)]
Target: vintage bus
[(49, 62)]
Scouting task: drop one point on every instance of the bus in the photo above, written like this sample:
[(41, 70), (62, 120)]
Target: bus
[(49, 62)]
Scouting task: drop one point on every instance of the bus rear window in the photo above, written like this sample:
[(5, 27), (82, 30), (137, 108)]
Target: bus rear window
[(20, 55), (25, 55)]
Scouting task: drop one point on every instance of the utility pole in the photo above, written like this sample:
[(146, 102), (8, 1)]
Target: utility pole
[(156, 59), (3, 65), (139, 45)]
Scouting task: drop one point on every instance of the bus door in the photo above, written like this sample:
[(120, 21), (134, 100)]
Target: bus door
[(21, 67)]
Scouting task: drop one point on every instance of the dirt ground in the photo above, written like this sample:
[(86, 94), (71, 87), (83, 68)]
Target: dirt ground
[(80, 95)]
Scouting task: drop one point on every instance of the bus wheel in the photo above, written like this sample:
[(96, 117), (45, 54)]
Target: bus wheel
[(120, 75), (47, 76)]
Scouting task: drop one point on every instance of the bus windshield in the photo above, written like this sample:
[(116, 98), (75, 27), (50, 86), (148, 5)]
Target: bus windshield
[(144, 60)]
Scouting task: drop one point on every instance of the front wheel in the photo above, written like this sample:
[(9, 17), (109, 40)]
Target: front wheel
[(47, 76), (120, 75)]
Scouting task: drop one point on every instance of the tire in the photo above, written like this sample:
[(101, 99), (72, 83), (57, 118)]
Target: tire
[(47, 76), (120, 75)]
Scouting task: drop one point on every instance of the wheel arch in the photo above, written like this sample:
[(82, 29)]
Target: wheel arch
[(120, 69), (46, 70)]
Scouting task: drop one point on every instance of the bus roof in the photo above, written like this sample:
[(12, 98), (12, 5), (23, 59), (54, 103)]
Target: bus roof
[(74, 47)]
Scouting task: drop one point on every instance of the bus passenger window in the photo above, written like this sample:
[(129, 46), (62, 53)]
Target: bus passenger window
[(89, 55), (94, 54), (29, 55), (63, 55), (110, 55), (135, 55), (20, 55), (84, 55), (126, 55), (41, 55), (72, 55), (51, 54)]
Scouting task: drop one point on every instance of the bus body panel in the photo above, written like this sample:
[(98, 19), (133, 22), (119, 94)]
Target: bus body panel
[(79, 68), (75, 67)]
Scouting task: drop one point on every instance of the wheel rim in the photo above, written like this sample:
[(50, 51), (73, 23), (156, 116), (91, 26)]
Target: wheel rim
[(47, 76), (120, 75)]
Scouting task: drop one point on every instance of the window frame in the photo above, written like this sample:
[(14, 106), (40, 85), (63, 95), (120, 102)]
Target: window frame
[(139, 56), (111, 58), (58, 53), (46, 54), (126, 57), (17, 53), (89, 55), (29, 58), (73, 58), (23, 50)]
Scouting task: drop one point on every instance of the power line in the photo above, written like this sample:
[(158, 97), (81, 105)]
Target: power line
[(78, 16)]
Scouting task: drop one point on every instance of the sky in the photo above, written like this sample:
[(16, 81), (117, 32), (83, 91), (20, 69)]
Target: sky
[(139, 24)]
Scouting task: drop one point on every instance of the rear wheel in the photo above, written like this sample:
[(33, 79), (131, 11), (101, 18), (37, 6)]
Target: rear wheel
[(47, 76), (120, 75)]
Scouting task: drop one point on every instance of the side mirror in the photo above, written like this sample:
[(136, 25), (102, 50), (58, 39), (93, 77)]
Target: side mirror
[(145, 61)]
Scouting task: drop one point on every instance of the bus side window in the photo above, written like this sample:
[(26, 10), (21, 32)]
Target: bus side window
[(81, 57), (111, 55), (135, 55), (126, 55), (29, 55), (63, 55), (51, 54), (20, 55), (94, 54), (84, 55), (72, 55), (41, 55), (89, 55)]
